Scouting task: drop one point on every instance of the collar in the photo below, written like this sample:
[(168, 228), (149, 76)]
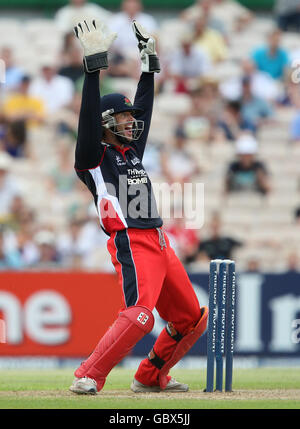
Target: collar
[(120, 149)]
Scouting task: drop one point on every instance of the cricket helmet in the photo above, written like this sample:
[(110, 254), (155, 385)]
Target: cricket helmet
[(118, 103)]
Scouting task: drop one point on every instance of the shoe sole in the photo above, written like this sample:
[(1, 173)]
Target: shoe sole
[(138, 389), (156, 389), (177, 390), (83, 392)]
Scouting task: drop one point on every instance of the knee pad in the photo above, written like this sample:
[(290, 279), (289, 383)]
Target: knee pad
[(140, 316), (131, 326)]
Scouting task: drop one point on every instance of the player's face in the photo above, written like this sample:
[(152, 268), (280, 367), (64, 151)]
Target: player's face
[(124, 124)]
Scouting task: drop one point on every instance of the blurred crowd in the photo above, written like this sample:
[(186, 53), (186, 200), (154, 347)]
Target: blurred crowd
[(224, 105)]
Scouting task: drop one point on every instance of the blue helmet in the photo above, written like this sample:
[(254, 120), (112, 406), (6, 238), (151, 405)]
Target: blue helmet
[(118, 103)]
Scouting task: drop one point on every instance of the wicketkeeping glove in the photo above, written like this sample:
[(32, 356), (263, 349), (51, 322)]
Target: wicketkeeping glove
[(146, 44), (95, 41)]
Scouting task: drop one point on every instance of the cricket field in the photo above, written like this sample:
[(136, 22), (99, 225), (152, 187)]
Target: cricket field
[(263, 388)]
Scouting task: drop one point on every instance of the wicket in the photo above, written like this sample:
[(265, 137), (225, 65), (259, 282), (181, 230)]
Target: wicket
[(220, 333)]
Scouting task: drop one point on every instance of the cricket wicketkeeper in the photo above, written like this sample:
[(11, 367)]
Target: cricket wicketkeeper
[(112, 135)]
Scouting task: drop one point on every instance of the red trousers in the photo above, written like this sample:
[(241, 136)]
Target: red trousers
[(151, 275)]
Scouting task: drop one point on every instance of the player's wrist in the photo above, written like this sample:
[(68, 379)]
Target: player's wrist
[(150, 63), (95, 62)]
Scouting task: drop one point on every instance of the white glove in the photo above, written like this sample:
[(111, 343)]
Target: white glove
[(95, 40), (146, 45)]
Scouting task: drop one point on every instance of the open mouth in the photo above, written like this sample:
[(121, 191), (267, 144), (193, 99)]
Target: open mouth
[(128, 131)]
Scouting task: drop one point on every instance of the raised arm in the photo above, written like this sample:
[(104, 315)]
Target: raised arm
[(88, 147), (145, 91), (144, 100), (95, 43)]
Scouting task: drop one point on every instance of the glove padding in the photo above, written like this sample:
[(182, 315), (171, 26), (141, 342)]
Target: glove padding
[(146, 45), (95, 41)]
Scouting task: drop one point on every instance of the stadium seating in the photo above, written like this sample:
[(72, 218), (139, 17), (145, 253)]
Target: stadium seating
[(255, 220)]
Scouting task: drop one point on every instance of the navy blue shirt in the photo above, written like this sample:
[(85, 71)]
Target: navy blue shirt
[(115, 176)]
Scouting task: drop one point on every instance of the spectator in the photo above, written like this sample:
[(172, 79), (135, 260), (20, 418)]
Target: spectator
[(94, 241), (10, 259), (188, 63), (293, 263), (22, 112), (66, 119), (61, 175), (198, 123), (186, 240), (231, 14), (73, 67), (13, 73), (210, 40), (21, 106), (56, 91), (123, 61), (262, 84), (23, 223), (13, 139), (70, 245), (26, 246), (204, 7), (69, 40), (83, 246), (8, 187), (231, 122), (234, 15), (287, 13), (247, 173), (216, 246), (121, 23), (20, 214), (79, 10), (48, 256), (255, 111), (178, 165), (272, 59), (121, 66)]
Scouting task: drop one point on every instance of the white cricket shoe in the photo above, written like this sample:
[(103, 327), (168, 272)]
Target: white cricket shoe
[(172, 386), (84, 386)]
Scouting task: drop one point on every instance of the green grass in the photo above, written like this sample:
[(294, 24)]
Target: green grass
[(263, 388)]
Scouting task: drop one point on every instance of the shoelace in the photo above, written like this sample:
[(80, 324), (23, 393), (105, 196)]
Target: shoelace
[(162, 240)]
